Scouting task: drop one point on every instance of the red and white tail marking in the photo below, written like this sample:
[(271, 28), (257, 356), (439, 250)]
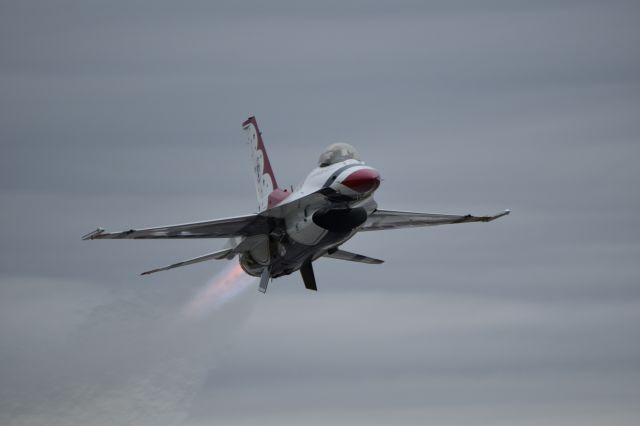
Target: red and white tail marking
[(264, 178)]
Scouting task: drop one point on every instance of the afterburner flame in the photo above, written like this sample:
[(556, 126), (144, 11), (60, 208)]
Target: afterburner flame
[(223, 287)]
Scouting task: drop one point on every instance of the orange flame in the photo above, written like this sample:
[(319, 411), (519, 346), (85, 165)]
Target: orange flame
[(224, 286)]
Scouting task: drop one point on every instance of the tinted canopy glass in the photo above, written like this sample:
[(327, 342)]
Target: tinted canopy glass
[(336, 153)]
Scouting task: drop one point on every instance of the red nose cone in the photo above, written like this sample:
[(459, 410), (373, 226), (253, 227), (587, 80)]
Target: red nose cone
[(364, 180)]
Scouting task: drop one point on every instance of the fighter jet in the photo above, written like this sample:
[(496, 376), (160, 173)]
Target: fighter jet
[(294, 227)]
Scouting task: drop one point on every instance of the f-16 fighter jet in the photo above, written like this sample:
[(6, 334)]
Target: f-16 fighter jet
[(292, 228)]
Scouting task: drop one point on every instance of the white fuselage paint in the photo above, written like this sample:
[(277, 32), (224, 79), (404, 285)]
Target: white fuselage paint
[(299, 224), (299, 238)]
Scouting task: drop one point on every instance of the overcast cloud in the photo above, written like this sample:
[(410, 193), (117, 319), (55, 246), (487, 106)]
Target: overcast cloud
[(127, 114)]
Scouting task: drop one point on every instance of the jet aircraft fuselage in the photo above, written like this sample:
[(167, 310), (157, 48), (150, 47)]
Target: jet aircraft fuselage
[(308, 229)]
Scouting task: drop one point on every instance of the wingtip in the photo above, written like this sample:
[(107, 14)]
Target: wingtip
[(93, 234), (504, 213)]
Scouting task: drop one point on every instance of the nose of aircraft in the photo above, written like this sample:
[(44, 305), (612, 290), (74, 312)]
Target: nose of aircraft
[(363, 180)]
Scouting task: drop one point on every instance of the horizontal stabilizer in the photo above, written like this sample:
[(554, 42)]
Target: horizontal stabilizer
[(222, 254), (352, 257)]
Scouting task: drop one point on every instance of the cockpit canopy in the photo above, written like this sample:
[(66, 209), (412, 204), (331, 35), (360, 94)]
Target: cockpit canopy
[(336, 153)]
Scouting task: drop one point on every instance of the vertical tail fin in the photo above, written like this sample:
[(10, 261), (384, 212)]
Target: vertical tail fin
[(264, 178)]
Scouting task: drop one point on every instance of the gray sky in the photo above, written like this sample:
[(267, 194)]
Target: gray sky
[(127, 114)]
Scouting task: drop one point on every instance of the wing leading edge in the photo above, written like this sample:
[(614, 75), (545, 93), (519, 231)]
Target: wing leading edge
[(219, 228), (392, 219)]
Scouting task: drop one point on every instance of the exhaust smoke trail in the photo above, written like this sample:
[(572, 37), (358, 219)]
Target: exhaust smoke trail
[(223, 287)]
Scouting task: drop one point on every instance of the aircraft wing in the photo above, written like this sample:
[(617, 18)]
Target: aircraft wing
[(252, 224), (391, 219), (218, 228)]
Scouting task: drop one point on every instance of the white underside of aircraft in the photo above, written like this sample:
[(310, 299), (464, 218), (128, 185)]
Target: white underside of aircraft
[(294, 228)]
